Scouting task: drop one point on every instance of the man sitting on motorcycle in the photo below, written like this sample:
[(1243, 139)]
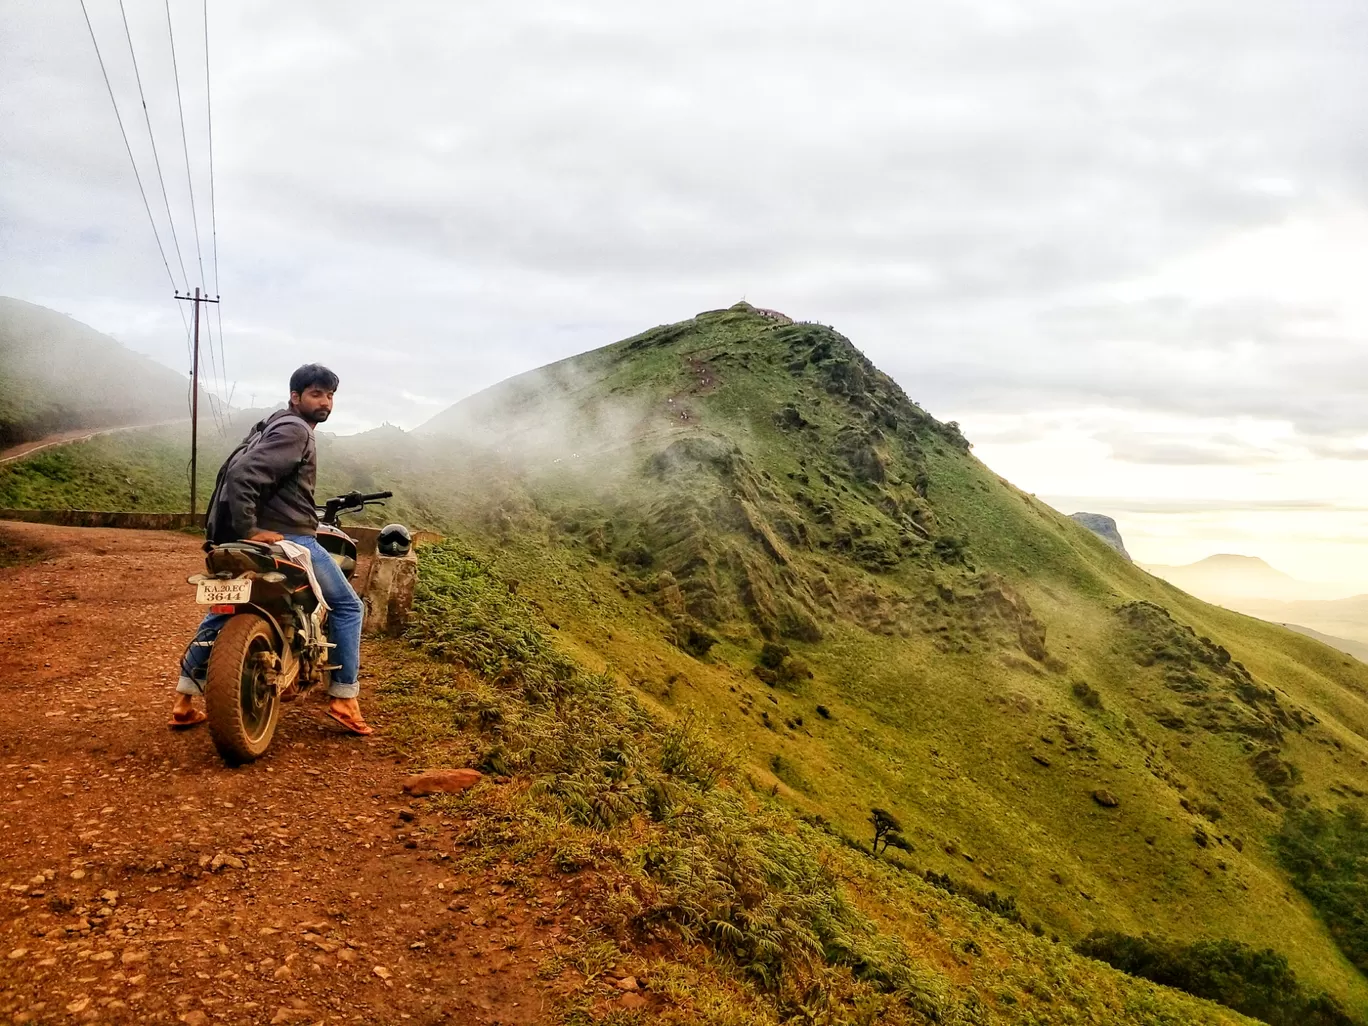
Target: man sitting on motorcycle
[(265, 494)]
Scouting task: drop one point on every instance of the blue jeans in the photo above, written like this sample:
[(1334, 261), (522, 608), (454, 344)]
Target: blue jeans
[(344, 628)]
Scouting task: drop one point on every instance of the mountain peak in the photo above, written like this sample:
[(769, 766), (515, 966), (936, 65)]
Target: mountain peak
[(1233, 561)]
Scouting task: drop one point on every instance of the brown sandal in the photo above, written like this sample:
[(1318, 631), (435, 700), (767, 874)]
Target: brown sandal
[(356, 726), (191, 719)]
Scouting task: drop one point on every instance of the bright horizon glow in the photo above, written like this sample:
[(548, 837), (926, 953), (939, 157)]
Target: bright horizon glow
[(1293, 501)]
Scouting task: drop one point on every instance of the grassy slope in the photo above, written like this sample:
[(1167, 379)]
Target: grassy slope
[(940, 727), (57, 374), (1171, 885), (136, 470), (945, 739), (639, 809)]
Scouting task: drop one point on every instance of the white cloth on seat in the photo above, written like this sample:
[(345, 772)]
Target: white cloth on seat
[(299, 554)]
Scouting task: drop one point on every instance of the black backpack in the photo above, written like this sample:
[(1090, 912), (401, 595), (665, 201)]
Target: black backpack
[(218, 519)]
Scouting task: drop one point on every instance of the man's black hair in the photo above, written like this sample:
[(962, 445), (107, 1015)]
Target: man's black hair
[(313, 374)]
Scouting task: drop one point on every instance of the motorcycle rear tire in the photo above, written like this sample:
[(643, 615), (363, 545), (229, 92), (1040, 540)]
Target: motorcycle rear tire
[(241, 702)]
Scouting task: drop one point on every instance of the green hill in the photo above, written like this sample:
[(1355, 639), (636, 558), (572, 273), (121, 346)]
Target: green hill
[(57, 374), (743, 525), (989, 668)]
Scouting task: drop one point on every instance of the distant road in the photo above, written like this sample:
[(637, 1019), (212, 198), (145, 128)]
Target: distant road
[(18, 452)]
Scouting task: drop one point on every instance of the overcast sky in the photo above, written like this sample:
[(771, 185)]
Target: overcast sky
[(1122, 243)]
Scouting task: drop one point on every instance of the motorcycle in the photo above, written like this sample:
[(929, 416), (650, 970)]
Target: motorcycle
[(275, 645)]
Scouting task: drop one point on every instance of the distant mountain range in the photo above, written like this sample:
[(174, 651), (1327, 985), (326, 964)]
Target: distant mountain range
[(1222, 577), (1357, 649), (1345, 618), (1249, 585)]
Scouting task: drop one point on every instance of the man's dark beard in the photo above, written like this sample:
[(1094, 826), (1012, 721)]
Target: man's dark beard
[(316, 417)]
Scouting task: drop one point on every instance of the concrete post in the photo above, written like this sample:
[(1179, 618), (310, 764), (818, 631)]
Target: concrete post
[(388, 593)]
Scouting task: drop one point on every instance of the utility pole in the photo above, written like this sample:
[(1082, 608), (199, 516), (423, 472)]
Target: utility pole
[(194, 397)]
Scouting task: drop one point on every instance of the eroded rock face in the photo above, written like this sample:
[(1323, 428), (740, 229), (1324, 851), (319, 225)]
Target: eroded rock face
[(1104, 527), (447, 781), (1269, 767), (1216, 692)]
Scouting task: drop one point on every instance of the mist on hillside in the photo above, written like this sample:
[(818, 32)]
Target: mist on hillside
[(57, 374), (557, 420)]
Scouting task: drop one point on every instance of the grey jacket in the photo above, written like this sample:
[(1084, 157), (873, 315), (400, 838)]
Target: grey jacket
[(269, 485)]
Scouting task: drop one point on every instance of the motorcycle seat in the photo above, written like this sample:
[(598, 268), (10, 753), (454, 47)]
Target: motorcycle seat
[(244, 555)]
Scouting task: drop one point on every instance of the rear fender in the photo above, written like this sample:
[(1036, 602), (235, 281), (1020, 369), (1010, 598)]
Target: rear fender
[(288, 669), (260, 611)]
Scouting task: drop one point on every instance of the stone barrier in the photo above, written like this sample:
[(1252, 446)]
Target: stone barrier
[(104, 518), (365, 536)]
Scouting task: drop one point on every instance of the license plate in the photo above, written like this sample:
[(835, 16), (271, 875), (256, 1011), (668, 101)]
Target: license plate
[(224, 593)]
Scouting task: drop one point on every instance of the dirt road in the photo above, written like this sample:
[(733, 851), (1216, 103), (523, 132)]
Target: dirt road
[(142, 881), (18, 452)]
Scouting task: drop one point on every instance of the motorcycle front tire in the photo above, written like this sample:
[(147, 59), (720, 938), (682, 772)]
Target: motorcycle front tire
[(238, 695)]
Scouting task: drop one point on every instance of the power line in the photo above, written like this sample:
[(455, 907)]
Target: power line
[(223, 356), (185, 146), (217, 382), (213, 211), (119, 117), (156, 159)]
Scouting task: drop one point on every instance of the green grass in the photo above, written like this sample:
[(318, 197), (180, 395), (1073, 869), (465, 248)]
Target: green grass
[(713, 872), (142, 471), (733, 906)]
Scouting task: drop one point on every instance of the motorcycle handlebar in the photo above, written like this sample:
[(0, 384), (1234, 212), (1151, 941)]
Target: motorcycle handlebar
[(352, 500)]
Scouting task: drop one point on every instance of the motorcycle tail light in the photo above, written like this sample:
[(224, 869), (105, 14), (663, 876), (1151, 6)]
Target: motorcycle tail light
[(230, 610), (273, 577)]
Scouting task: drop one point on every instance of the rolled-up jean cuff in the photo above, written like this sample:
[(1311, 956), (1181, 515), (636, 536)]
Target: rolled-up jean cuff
[(339, 690), (189, 686)]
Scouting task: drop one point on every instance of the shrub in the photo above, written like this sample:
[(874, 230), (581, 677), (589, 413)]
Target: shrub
[(1325, 854), (1258, 983), (894, 839), (772, 655), (636, 555), (779, 668), (951, 548), (1087, 694), (792, 673), (692, 637), (991, 901)]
